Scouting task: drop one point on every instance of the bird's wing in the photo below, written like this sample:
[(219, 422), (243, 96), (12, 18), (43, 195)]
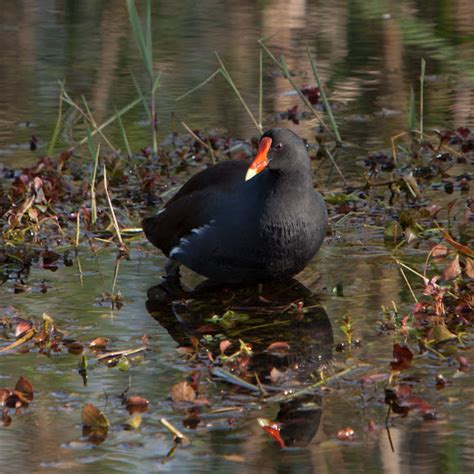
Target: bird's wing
[(194, 205), (224, 174)]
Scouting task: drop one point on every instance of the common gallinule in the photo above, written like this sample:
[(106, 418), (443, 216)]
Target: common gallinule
[(235, 223)]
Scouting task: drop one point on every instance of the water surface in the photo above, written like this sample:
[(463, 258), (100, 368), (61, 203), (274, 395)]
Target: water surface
[(369, 55)]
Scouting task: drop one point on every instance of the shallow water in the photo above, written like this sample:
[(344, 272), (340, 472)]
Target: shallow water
[(47, 436), (368, 53)]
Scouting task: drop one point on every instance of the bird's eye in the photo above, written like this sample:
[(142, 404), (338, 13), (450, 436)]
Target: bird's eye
[(279, 146)]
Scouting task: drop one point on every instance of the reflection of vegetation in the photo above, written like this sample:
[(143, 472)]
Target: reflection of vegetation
[(423, 32)]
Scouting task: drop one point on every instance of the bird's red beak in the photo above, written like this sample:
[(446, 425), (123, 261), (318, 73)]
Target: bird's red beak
[(260, 162)]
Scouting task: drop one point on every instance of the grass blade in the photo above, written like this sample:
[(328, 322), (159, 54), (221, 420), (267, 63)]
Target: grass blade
[(284, 68), (422, 83), (327, 106), (203, 83), (142, 97), (229, 80), (112, 211), (144, 43), (411, 112), (112, 119), (57, 127), (94, 151), (123, 132), (156, 83), (93, 197)]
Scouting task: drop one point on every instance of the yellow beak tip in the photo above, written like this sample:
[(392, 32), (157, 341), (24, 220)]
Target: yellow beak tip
[(250, 174)]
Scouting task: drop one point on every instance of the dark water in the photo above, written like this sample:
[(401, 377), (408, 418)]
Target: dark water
[(369, 54)]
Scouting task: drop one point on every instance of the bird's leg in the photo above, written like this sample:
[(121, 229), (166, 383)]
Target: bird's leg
[(172, 272)]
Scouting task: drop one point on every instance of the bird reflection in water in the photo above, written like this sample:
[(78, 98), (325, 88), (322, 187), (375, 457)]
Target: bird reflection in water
[(285, 311)]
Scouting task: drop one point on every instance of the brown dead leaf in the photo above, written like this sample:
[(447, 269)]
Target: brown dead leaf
[(453, 270), (74, 347), (469, 269), (460, 247), (25, 388), (92, 417), (182, 392), (136, 404), (439, 251), (278, 346), (99, 343)]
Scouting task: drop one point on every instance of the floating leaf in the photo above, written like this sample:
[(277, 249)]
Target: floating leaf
[(93, 417), (25, 388), (402, 400), (123, 363), (403, 357), (134, 422), (99, 343), (182, 392), (74, 347), (136, 404), (441, 333), (279, 347)]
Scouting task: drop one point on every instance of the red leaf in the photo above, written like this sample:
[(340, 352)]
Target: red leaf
[(22, 326), (403, 357), (224, 345), (279, 346), (293, 115), (311, 93), (273, 429)]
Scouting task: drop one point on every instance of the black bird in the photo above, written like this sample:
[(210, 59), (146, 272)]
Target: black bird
[(235, 223)]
